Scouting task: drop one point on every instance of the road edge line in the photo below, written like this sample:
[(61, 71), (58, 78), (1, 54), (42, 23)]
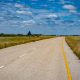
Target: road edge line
[(66, 62)]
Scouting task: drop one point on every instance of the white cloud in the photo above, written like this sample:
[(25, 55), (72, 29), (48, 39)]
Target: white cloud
[(52, 15), (18, 5), (70, 7), (73, 11), (46, 15), (1, 18), (21, 12), (24, 12), (29, 22)]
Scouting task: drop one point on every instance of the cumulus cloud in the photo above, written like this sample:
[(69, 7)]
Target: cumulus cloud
[(29, 22), (18, 5), (70, 7), (73, 11), (46, 15), (21, 15), (52, 15), (24, 12)]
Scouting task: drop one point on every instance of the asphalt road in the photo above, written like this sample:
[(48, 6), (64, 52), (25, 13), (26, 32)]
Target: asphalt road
[(49, 59)]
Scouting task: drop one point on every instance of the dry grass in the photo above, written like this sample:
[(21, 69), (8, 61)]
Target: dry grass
[(12, 41), (74, 43)]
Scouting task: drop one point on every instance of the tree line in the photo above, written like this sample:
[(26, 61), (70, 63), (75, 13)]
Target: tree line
[(13, 35)]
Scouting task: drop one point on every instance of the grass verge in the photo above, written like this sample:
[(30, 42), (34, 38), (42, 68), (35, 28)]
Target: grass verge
[(16, 40), (74, 43)]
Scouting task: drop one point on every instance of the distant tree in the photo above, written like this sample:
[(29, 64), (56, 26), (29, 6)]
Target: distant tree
[(29, 33), (2, 34)]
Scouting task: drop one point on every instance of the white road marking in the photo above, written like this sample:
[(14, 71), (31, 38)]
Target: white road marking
[(1, 67)]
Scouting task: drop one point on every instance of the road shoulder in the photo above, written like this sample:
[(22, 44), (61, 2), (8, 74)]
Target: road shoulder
[(73, 61)]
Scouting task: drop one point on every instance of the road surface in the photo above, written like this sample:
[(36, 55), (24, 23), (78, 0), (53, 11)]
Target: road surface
[(49, 59)]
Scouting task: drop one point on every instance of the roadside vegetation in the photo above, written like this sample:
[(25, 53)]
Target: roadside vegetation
[(12, 40), (74, 43)]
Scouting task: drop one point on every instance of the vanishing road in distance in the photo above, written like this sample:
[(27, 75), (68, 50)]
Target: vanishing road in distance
[(49, 59)]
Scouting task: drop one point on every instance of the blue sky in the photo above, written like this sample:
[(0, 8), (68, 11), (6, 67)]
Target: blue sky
[(61, 17)]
